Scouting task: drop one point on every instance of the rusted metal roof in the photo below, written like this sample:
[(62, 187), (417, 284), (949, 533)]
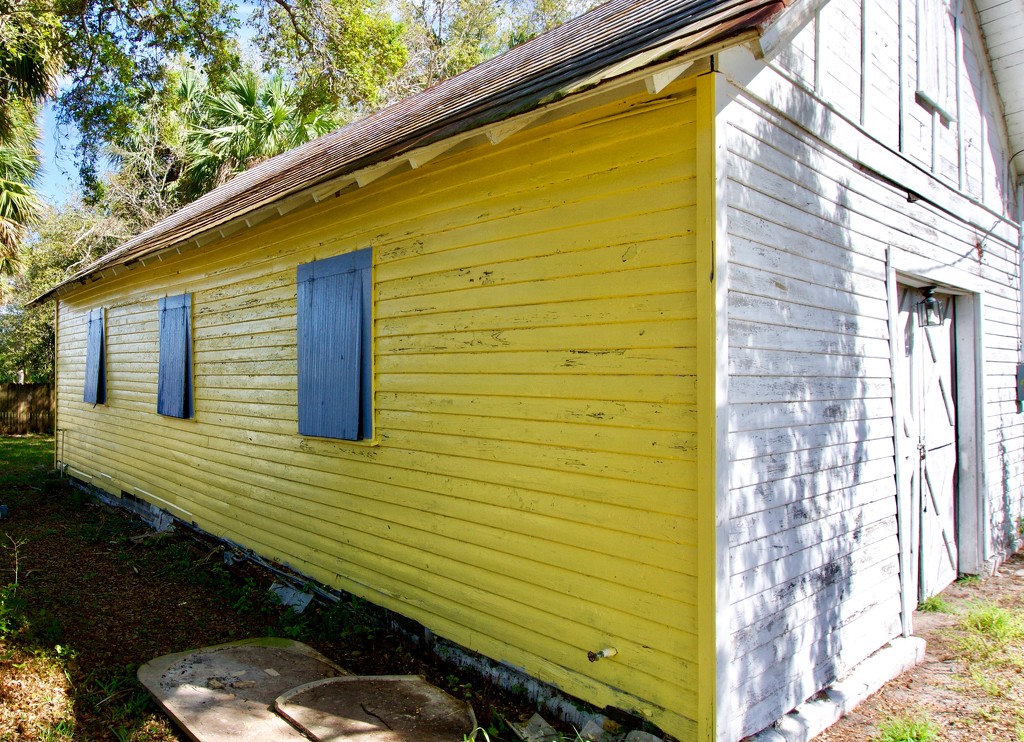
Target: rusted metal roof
[(515, 82)]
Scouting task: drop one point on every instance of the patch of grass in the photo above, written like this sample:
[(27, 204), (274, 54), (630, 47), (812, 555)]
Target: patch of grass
[(968, 580), (12, 611), (992, 684), (990, 647), (935, 604), (62, 730), (25, 459), (994, 623), (908, 729)]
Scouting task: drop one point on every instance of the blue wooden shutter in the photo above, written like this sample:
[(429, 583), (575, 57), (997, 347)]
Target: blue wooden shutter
[(334, 344), (174, 384), (95, 367)]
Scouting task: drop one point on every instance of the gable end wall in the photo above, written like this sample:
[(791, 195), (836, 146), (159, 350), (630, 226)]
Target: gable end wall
[(814, 571)]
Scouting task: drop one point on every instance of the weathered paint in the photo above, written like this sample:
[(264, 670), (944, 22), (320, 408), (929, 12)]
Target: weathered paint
[(712, 464), (861, 58), (815, 581), (530, 490)]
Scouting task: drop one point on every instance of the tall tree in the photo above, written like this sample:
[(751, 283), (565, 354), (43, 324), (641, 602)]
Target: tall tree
[(18, 201), (117, 57), (340, 53), (29, 64), (62, 241), (29, 61), (144, 184), (446, 37), (197, 136), (250, 120)]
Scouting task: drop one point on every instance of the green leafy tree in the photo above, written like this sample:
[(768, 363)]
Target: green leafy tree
[(532, 18), (144, 184), (18, 201), (117, 59), (195, 137), (62, 241), (340, 53), (250, 120), (446, 37), (29, 64)]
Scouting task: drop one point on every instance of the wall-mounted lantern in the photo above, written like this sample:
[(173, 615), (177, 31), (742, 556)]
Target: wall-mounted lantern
[(929, 309)]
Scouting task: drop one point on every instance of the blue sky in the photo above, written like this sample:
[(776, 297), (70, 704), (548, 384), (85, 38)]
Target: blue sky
[(58, 179)]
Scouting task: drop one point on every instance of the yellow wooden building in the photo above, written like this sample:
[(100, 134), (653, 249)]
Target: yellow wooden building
[(592, 347)]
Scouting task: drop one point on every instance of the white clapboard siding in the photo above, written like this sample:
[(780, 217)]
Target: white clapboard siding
[(839, 61), (860, 58), (882, 71), (814, 554)]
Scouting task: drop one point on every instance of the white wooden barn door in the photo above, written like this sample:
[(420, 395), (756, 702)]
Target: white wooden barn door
[(927, 420)]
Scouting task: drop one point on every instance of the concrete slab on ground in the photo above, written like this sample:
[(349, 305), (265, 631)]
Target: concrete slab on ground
[(227, 692), (381, 708)]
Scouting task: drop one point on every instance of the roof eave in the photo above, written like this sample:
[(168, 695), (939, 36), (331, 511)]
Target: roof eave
[(423, 144)]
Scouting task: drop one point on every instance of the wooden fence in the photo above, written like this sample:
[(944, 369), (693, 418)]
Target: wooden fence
[(26, 408)]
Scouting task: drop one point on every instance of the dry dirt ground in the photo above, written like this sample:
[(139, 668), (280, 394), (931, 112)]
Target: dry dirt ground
[(971, 683), (87, 594)]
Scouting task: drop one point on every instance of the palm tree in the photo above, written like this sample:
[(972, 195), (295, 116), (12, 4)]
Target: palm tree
[(29, 61), (29, 64), (251, 120), (18, 203)]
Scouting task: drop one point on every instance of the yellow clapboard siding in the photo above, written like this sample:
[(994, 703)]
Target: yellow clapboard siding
[(283, 324), (481, 245), (566, 289), (670, 389), (647, 307), (619, 581), (653, 208), (276, 304), (653, 334), (591, 501), (228, 265), (625, 361), (253, 368), (268, 288), (618, 413), (530, 492), (129, 350), (203, 381), (247, 413), (514, 269), (242, 396), (214, 352), (615, 466), (584, 438), (575, 435), (669, 334)]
